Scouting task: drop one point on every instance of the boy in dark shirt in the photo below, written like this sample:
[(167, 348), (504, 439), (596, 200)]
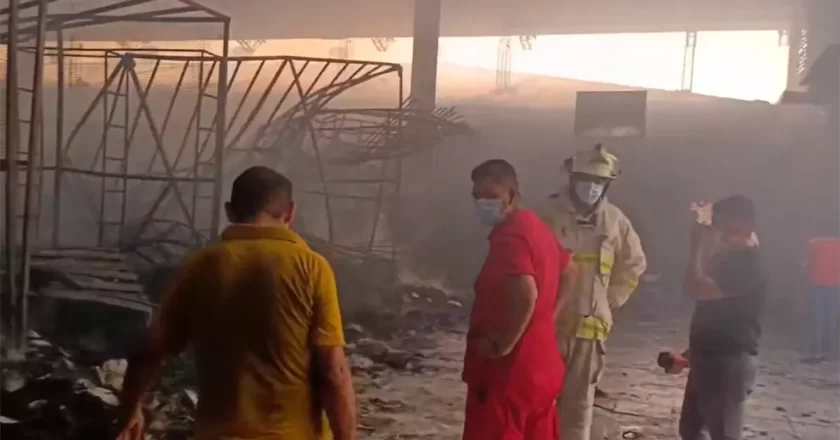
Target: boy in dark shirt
[(725, 328)]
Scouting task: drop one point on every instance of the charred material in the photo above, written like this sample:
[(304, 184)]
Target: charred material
[(25, 21)]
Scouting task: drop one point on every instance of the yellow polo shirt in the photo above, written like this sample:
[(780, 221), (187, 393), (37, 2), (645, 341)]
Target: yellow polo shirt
[(253, 306)]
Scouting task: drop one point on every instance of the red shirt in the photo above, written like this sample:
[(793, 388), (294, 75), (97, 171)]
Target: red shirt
[(824, 262), (533, 373)]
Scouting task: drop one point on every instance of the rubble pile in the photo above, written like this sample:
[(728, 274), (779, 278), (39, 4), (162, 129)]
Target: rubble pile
[(48, 396), (57, 394)]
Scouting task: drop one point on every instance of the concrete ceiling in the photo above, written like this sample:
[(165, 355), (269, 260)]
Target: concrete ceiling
[(279, 19)]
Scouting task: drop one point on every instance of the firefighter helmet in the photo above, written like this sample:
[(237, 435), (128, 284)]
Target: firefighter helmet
[(596, 162)]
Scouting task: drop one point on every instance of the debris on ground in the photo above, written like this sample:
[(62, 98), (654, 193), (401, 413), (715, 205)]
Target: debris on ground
[(55, 393)]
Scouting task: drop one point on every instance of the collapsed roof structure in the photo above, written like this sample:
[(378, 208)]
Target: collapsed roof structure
[(128, 149)]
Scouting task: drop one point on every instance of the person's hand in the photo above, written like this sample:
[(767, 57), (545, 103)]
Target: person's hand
[(706, 289), (132, 427), (678, 364), (702, 212)]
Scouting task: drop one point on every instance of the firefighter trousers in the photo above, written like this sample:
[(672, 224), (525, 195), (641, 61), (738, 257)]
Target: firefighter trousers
[(585, 361)]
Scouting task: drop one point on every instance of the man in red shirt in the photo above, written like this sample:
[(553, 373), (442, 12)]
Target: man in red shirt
[(513, 367)]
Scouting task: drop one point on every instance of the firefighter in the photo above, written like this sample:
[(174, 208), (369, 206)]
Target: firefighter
[(608, 262)]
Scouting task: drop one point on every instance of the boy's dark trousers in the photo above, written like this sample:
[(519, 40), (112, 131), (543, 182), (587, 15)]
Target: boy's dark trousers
[(717, 388)]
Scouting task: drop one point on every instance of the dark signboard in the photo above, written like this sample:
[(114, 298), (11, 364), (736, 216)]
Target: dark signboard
[(611, 114)]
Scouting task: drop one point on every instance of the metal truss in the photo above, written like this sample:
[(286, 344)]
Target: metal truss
[(167, 128), (799, 52), (689, 55), (23, 163), (504, 63), (351, 159), (123, 161), (137, 11), (526, 42), (382, 44), (168, 199), (248, 47)]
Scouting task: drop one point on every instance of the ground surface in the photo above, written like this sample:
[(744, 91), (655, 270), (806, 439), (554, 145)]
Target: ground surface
[(791, 401)]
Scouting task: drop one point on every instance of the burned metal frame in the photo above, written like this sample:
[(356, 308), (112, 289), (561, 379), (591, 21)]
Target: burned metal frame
[(300, 120), (271, 100), (360, 150), (17, 267), (315, 82)]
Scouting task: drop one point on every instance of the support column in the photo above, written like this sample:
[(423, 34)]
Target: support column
[(823, 37), (822, 26), (424, 60)]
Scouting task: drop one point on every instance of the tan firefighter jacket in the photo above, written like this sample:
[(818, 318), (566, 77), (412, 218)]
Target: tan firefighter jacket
[(609, 261)]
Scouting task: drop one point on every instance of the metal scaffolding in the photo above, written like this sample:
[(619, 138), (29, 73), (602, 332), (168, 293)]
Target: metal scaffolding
[(159, 130), (22, 219), (504, 63), (350, 161)]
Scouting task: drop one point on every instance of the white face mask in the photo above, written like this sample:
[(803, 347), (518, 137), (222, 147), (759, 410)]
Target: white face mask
[(589, 192), (489, 211)]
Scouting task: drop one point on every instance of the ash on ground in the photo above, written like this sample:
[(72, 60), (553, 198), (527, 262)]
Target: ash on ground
[(57, 393)]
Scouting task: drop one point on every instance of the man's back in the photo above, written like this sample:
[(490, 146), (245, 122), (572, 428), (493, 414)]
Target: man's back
[(257, 304)]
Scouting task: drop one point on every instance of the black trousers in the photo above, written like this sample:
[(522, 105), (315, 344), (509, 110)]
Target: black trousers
[(715, 394)]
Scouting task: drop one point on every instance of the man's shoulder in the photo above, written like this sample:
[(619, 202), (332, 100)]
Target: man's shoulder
[(537, 227), (296, 253), (527, 227), (203, 256), (612, 211), (523, 224), (316, 260)]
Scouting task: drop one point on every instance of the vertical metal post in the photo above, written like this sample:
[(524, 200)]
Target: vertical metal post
[(793, 38), (424, 59), (688, 61), (33, 166), (12, 147), (221, 122), (197, 171), (59, 139), (504, 64), (104, 144), (127, 140), (396, 215)]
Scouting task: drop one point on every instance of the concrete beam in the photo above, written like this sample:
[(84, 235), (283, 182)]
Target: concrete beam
[(424, 59), (339, 19)]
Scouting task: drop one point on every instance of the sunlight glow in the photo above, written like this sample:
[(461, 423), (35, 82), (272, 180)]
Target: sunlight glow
[(742, 65), (747, 65)]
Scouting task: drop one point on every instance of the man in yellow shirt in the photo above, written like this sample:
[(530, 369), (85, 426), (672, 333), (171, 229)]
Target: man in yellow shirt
[(260, 310)]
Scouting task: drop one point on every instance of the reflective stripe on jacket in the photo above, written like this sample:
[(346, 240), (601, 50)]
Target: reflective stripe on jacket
[(609, 260)]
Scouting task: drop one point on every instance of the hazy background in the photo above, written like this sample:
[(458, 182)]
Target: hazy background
[(723, 139)]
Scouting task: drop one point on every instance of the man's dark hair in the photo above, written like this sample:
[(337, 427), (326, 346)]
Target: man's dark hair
[(739, 208), (259, 189), (499, 171)]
